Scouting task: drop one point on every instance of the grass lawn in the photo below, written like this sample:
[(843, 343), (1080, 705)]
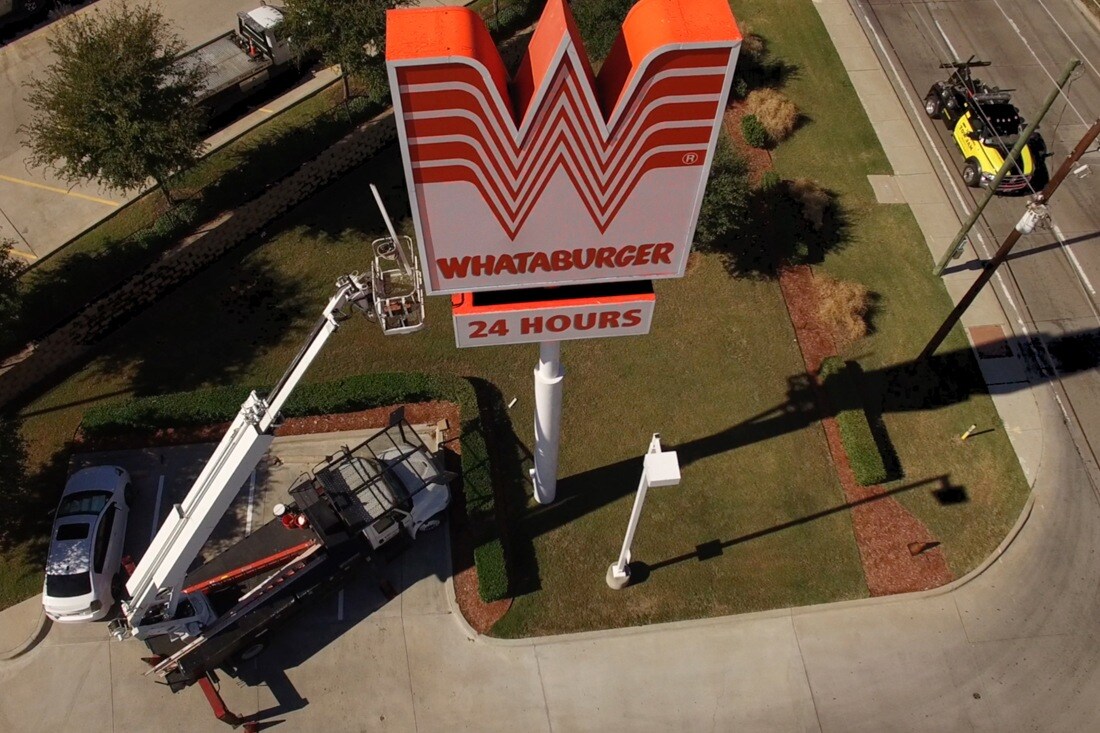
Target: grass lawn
[(886, 252), (720, 377)]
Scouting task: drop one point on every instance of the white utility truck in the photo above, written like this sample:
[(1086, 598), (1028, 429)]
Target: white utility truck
[(341, 514), (241, 62)]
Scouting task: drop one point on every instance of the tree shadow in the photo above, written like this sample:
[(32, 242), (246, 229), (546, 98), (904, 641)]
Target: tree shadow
[(254, 304), (757, 68), (777, 234)]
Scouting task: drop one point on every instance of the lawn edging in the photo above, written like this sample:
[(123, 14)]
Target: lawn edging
[(843, 381), (360, 392)]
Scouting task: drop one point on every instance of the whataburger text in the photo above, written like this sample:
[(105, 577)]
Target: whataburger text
[(559, 260)]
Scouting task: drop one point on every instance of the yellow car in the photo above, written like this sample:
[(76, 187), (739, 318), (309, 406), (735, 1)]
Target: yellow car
[(985, 125)]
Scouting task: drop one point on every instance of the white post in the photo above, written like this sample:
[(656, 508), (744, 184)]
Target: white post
[(659, 468), (548, 378)]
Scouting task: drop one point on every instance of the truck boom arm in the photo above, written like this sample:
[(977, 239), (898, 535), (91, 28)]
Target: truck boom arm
[(159, 577)]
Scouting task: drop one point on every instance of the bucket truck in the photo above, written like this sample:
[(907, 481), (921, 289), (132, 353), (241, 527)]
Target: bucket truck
[(339, 515)]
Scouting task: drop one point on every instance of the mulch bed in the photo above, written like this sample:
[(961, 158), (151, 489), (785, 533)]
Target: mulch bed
[(480, 615), (759, 160), (898, 553)]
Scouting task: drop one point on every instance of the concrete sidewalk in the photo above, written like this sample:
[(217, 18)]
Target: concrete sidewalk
[(21, 627)]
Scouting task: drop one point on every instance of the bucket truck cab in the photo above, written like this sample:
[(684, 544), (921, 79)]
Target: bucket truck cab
[(366, 501)]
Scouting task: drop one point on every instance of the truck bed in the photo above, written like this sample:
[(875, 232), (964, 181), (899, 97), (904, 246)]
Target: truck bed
[(227, 62)]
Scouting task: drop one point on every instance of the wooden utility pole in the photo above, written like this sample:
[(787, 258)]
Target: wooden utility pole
[(1035, 211)]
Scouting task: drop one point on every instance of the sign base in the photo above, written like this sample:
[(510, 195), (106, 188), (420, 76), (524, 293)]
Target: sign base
[(534, 315)]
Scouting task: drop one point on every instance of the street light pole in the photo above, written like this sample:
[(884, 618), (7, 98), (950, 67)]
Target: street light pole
[(659, 468), (1035, 211), (1009, 162)]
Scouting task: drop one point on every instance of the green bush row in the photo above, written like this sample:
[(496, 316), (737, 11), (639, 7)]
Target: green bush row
[(361, 392), (492, 571), (844, 382)]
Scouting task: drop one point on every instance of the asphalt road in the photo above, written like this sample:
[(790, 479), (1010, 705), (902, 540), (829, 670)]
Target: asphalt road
[(37, 209), (1053, 276)]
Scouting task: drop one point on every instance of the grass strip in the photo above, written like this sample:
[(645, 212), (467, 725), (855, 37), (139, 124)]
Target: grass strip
[(844, 382)]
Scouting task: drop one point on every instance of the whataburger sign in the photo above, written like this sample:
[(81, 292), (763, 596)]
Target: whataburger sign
[(559, 177)]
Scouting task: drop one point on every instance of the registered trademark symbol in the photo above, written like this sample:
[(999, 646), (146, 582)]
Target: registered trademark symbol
[(691, 158)]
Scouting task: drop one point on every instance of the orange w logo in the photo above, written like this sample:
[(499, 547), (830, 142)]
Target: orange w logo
[(462, 124)]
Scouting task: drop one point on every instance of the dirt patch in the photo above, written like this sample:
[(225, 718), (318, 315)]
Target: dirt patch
[(897, 551), (480, 615)]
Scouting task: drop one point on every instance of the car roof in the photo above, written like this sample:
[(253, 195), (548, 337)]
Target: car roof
[(68, 557)]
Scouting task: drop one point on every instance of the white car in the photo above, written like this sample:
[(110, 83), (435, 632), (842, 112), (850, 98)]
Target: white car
[(83, 569)]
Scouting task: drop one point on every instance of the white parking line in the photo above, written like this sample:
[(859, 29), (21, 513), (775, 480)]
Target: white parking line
[(1023, 38), (1073, 259), (251, 497), (1077, 48), (954, 54), (156, 509)]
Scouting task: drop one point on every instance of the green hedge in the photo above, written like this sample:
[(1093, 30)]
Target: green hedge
[(361, 392), (492, 571), (753, 131), (844, 382)]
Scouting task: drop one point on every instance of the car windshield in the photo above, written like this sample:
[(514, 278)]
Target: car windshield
[(68, 586), (83, 502), (73, 531)]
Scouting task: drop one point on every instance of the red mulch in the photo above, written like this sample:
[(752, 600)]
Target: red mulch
[(887, 534), (759, 160), (479, 614)]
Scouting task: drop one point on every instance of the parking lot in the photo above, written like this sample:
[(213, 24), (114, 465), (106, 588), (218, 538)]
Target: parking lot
[(345, 632)]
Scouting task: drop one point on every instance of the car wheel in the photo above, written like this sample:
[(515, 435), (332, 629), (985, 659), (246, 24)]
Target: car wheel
[(429, 525), (128, 495), (933, 106), (118, 587), (972, 176)]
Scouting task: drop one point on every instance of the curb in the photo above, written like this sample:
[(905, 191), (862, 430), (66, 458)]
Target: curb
[(35, 637)]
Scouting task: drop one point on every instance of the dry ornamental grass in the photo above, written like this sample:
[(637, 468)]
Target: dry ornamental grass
[(842, 308), (776, 113)]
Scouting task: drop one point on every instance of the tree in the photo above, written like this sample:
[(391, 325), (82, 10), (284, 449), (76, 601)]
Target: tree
[(9, 285), (351, 33), (726, 200), (117, 104)]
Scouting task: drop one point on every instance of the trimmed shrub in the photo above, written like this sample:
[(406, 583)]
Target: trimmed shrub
[(842, 307), (740, 88), (844, 382), (754, 132), (492, 571), (776, 112), (361, 392), (725, 201), (814, 200)]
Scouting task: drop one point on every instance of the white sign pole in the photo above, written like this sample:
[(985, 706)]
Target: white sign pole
[(548, 378), (659, 468)]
